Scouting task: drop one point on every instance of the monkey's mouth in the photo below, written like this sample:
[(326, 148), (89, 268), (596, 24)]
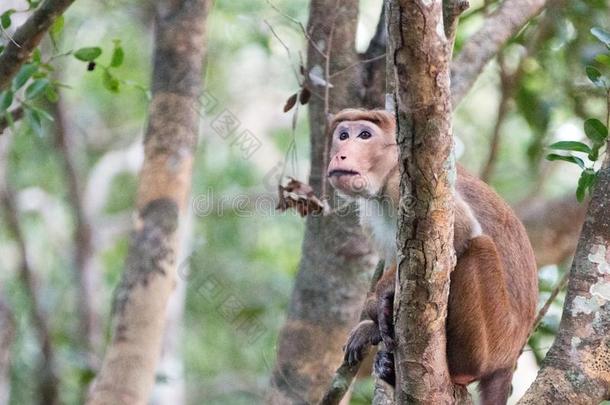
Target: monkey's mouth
[(342, 172)]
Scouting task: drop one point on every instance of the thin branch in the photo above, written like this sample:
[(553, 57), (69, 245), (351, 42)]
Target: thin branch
[(545, 308), (275, 34), (497, 29), (345, 374), (49, 382), (16, 113), (83, 244), (27, 37), (374, 73), (300, 25), (506, 90), (359, 63), (452, 9)]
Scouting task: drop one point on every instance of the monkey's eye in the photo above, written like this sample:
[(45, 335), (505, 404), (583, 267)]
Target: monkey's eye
[(343, 136), (364, 135)]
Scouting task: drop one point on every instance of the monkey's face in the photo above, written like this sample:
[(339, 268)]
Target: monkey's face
[(361, 157)]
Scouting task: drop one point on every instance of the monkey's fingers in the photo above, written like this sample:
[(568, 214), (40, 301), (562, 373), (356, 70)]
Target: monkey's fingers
[(383, 367), (359, 340), (386, 319)]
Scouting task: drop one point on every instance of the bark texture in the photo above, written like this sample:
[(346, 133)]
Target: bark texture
[(337, 260), (420, 51), (27, 37), (577, 367), (139, 309)]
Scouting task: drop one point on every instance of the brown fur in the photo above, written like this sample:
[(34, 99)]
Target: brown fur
[(494, 284)]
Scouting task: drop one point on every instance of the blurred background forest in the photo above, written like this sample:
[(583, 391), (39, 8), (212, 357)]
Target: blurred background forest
[(73, 181)]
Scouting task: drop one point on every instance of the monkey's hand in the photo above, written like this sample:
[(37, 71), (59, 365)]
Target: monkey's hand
[(383, 367), (385, 318), (365, 334)]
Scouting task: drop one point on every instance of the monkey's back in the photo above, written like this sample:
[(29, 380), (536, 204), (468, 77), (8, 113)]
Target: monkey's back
[(500, 222)]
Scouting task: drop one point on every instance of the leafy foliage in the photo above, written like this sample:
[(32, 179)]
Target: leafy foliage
[(595, 130)]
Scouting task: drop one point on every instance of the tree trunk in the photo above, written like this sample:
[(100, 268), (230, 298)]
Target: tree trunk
[(337, 260), (139, 309), (420, 50), (577, 367)]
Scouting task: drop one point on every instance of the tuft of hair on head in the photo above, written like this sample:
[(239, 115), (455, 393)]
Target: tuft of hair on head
[(382, 118)]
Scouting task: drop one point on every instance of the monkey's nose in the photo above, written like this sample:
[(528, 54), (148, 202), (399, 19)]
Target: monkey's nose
[(342, 157)]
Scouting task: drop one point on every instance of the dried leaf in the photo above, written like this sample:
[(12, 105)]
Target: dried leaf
[(292, 100), (304, 96), (299, 196)]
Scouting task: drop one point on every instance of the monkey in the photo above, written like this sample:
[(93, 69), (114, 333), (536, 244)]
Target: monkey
[(493, 287)]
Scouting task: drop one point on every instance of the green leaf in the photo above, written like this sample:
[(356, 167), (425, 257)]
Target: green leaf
[(602, 35), (571, 146), (33, 4), (596, 77), (5, 18), (88, 54), (118, 55), (110, 82), (42, 113), (571, 159), (57, 26), (36, 88), (603, 58), (6, 99), (585, 182), (37, 56), (51, 94), (34, 121), (24, 75), (596, 130)]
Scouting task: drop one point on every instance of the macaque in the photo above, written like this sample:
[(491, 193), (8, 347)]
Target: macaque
[(493, 289)]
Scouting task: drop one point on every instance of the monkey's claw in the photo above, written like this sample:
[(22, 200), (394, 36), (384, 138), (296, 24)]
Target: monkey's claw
[(386, 319), (359, 340), (384, 367)]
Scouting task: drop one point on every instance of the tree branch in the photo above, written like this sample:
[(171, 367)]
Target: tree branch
[(16, 114), (576, 368), (330, 288), (425, 215), (140, 303), (374, 74), (345, 373), (27, 37), (506, 92), (497, 29), (87, 286), (452, 9), (48, 380)]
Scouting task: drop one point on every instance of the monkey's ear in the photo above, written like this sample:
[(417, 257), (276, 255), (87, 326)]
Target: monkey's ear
[(329, 118)]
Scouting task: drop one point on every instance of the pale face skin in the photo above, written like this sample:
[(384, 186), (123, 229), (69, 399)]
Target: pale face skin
[(362, 156)]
